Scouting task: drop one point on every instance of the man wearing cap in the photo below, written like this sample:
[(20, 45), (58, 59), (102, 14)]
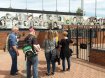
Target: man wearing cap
[(32, 61)]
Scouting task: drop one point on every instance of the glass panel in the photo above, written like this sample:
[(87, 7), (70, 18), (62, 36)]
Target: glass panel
[(20, 4), (100, 8), (89, 7), (49, 5), (4, 3), (63, 5), (34, 4), (74, 5)]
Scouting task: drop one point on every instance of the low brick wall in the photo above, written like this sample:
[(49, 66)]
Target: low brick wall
[(97, 56), (23, 34), (4, 34)]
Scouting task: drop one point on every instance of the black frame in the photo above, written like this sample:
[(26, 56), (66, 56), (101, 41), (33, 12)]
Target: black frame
[(40, 11)]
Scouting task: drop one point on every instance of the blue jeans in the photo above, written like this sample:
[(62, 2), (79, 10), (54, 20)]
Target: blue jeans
[(50, 59), (63, 63), (32, 61), (14, 62)]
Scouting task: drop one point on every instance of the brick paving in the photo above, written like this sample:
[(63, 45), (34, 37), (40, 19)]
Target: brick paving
[(79, 69)]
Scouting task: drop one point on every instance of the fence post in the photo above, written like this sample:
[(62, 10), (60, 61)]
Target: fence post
[(90, 39), (77, 41), (69, 33)]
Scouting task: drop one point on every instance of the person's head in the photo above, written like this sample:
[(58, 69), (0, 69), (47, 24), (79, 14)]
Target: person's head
[(55, 24), (40, 17), (15, 29), (64, 34), (32, 30), (59, 18), (50, 35), (55, 34)]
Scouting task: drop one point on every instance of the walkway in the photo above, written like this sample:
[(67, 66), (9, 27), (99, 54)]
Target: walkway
[(79, 69)]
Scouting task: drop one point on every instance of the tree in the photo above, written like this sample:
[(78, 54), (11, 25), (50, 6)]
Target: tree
[(79, 10)]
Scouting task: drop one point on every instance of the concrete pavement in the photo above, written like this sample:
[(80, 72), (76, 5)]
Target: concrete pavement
[(79, 69)]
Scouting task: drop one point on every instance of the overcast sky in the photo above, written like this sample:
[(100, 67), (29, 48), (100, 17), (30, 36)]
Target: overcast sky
[(62, 5)]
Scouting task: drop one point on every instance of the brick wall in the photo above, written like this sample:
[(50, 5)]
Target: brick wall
[(23, 34), (97, 56), (3, 35)]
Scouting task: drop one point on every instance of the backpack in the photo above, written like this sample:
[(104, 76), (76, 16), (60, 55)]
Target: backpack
[(7, 46), (28, 47)]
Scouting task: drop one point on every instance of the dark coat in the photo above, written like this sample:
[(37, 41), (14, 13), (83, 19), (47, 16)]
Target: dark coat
[(65, 51)]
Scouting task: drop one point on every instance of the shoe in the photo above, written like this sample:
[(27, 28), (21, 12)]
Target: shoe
[(17, 71), (13, 74), (58, 63), (52, 73), (62, 70), (47, 74), (68, 69)]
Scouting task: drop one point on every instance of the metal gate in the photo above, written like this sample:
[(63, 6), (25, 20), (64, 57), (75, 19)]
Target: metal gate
[(83, 38)]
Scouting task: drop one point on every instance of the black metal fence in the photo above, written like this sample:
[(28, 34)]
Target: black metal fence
[(85, 38)]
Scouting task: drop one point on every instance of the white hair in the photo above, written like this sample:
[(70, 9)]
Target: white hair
[(15, 28)]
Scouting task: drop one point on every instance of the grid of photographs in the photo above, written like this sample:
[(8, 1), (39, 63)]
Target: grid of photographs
[(44, 21)]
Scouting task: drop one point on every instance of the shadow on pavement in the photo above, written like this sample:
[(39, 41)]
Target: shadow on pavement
[(7, 74), (2, 72), (42, 62)]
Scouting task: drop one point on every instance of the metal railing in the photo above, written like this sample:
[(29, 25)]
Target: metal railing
[(86, 38)]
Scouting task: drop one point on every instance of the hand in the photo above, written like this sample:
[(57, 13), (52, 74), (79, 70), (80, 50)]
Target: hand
[(37, 47), (16, 50), (17, 53), (36, 52)]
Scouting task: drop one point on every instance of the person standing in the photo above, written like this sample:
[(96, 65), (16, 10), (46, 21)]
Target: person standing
[(13, 49), (65, 51), (50, 51), (32, 61), (56, 38)]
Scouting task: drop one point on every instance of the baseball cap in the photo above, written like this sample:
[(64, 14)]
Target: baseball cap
[(31, 29)]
